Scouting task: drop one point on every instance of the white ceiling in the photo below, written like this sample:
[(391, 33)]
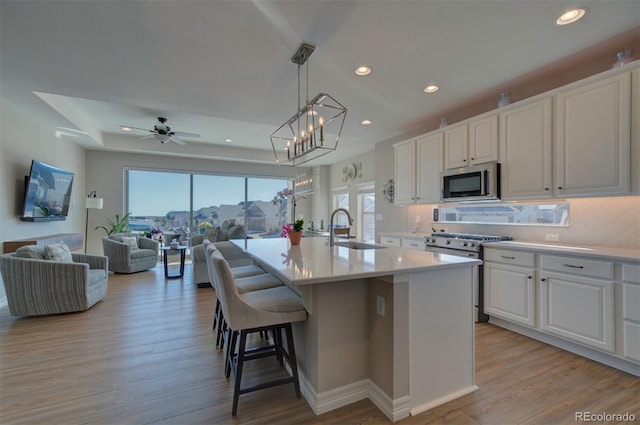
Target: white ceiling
[(222, 68)]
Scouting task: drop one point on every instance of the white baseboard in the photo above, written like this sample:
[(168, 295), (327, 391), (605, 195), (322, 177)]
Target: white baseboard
[(394, 410), (442, 400), (600, 357), (333, 399)]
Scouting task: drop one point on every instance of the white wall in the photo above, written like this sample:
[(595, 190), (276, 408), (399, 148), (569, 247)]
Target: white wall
[(337, 178), (28, 132)]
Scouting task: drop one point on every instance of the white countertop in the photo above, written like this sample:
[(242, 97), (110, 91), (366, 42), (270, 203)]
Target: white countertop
[(313, 261), (601, 252)]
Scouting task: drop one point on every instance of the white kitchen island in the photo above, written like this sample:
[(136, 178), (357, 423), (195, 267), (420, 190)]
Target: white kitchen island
[(393, 325)]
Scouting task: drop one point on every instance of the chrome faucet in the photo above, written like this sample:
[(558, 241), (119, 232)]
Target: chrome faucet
[(331, 243)]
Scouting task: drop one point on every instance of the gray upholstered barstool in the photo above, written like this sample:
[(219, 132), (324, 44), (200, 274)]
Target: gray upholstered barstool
[(248, 278), (272, 309)]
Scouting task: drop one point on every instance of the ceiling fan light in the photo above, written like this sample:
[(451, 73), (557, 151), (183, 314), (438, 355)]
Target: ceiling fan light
[(162, 138)]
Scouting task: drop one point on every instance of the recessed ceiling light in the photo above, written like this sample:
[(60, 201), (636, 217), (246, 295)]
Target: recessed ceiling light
[(363, 70), (366, 122), (431, 88), (228, 140), (570, 16), (126, 128)]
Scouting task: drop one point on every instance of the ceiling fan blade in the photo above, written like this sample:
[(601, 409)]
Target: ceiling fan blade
[(148, 136), (185, 134), (134, 128), (178, 140)]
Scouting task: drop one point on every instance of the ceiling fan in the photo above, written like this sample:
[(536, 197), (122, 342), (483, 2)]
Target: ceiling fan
[(163, 133)]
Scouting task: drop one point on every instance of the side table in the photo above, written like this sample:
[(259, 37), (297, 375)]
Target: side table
[(165, 254)]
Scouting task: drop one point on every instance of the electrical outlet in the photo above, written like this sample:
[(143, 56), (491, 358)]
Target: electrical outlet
[(554, 237), (380, 305)]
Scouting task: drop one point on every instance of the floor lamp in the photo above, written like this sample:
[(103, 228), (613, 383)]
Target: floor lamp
[(93, 202)]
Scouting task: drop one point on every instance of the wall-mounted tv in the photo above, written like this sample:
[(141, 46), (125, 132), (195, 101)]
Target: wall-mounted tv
[(47, 193)]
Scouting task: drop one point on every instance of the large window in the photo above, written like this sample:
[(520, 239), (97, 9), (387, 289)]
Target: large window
[(184, 204), (367, 212), (340, 197)]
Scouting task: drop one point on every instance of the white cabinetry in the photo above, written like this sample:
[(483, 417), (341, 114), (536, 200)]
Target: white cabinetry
[(418, 164), (593, 124), (390, 240), (413, 243), (576, 300), (631, 311), (472, 142), (525, 151), (509, 290)]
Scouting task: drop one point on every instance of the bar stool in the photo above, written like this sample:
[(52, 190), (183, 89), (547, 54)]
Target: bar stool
[(272, 309), (249, 278)]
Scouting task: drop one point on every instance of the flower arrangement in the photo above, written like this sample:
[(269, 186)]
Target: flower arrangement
[(153, 231), (288, 193), (297, 226)]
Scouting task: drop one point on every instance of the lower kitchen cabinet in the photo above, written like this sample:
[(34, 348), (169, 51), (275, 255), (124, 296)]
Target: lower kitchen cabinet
[(631, 311), (413, 243), (575, 306), (509, 290), (390, 240)]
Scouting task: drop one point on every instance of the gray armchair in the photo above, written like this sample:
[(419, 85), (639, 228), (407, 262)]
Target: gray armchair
[(125, 258), (37, 286)]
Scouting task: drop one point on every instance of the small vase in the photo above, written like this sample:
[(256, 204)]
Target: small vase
[(623, 58), (295, 237), (505, 99)]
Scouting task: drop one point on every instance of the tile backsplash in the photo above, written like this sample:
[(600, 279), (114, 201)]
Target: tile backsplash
[(612, 222)]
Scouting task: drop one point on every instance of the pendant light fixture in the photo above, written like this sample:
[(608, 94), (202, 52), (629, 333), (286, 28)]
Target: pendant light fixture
[(315, 129)]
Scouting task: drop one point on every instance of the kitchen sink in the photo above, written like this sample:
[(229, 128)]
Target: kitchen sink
[(359, 245)]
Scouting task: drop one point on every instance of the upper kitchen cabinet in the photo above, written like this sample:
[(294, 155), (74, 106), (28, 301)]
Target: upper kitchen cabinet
[(593, 133), (473, 142), (526, 150), (417, 168)]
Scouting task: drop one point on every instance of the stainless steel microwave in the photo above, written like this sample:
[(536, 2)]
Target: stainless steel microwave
[(475, 183)]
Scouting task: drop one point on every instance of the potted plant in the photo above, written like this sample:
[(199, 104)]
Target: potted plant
[(294, 232), (204, 226), (120, 225), (154, 233)]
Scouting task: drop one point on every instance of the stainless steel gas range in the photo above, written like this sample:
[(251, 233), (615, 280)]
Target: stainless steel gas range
[(465, 245)]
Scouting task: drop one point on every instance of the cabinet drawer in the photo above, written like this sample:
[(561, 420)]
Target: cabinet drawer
[(631, 302), (516, 258), (390, 240), (630, 273), (578, 266), (413, 243), (632, 340)]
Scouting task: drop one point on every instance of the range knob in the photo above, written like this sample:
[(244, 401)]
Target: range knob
[(464, 244), (448, 242), (472, 244)]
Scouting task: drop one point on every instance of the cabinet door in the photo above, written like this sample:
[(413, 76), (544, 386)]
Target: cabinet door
[(405, 173), (578, 308), (525, 151), (456, 147), (429, 167), (483, 140), (509, 293), (593, 125), (390, 240)]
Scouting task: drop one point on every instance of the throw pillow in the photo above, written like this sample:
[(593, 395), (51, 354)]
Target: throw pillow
[(221, 236), (31, 251), (130, 240), (59, 252)]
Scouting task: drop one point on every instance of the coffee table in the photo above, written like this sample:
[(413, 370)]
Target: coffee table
[(165, 254)]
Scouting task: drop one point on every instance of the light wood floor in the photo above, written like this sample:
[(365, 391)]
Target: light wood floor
[(145, 354)]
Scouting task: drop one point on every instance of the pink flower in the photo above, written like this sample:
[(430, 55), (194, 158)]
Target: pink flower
[(285, 230)]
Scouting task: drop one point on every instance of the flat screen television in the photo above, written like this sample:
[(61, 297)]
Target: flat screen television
[(47, 193)]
